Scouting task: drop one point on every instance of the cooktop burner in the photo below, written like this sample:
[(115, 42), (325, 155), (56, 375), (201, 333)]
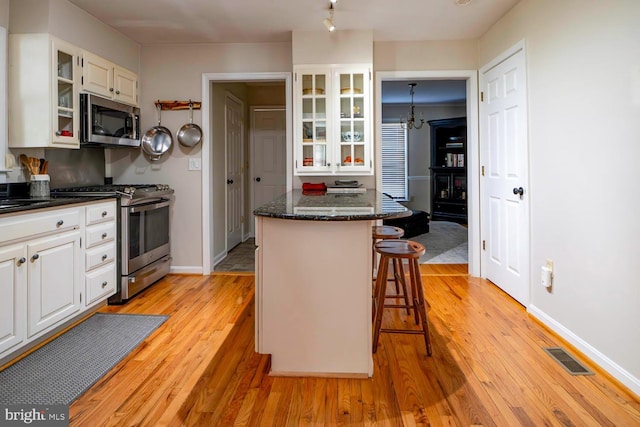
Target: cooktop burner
[(123, 190)]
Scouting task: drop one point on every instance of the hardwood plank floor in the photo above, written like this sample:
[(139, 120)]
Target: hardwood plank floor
[(488, 367)]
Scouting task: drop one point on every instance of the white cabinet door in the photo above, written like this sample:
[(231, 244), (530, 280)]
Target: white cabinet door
[(54, 280), (65, 88), (312, 125), (332, 120), (97, 75), (125, 86), (105, 78), (13, 282), (353, 152)]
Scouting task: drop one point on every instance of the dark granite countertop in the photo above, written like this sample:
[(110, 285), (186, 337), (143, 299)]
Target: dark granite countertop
[(26, 204), (371, 205)]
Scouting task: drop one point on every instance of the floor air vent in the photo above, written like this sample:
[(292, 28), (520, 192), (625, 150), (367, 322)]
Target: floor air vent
[(567, 361)]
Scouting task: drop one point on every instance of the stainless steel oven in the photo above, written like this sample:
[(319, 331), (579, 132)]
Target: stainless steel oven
[(145, 247), (143, 233)]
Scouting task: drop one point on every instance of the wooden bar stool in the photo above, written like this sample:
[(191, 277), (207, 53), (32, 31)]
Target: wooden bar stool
[(399, 250), (387, 232)]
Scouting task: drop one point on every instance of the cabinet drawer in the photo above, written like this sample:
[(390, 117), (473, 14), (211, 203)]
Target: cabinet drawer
[(99, 234), (27, 225), (100, 283), (100, 255), (101, 213)]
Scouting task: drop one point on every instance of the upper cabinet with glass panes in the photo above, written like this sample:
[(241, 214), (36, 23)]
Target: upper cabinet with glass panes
[(332, 119), (44, 77)]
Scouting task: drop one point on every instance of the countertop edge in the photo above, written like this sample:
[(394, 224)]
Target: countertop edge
[(52, 202)]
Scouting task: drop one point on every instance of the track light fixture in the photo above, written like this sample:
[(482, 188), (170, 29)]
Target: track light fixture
[(328, 22)]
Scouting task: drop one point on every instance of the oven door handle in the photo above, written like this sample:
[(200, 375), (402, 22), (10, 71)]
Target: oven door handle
[(148, 207)]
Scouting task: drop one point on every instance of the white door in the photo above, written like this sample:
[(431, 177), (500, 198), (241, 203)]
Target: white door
[(504, 160), (54, 280), (13, 280), (268, 139), (234, 120)]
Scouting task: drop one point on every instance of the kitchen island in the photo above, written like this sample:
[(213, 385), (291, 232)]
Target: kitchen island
[(313, 281)]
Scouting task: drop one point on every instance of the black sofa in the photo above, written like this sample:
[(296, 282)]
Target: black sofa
[(417, 223)]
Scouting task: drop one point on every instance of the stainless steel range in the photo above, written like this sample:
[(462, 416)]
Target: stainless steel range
[(143, 230)]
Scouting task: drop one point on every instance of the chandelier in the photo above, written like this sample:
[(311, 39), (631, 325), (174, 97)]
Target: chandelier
[(410, 123)]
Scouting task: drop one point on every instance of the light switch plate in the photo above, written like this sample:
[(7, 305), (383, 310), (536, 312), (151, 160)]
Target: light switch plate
[(194, 164)]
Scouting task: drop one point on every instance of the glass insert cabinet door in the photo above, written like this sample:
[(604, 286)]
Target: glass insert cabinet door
[(65, 96), (353, 121), (332, 123), (313, 89)]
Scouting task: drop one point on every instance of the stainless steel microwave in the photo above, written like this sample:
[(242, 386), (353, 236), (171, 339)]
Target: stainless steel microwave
[(107, 122)]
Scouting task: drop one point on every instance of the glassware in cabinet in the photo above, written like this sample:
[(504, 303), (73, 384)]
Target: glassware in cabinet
[(66, 115)]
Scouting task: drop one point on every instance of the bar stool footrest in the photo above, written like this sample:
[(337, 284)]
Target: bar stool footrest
[(402, 331)]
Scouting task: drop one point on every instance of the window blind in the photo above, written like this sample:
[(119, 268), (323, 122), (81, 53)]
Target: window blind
[(394, 161)]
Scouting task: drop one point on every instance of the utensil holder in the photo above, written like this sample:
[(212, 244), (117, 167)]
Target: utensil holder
[(39, 187)]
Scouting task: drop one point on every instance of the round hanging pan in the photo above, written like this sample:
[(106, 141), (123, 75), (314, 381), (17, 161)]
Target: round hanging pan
[(190, 133), (157, 140)]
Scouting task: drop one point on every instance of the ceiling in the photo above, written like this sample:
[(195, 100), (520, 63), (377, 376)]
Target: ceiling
[(243, 21), (150, 22), (425, 91)]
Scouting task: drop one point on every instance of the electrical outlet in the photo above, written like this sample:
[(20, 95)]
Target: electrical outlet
[(194, 164), (546, 277)]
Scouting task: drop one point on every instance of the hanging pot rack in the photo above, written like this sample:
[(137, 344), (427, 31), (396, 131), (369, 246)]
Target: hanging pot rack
[(177, 105)]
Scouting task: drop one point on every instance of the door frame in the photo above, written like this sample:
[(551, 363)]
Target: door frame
[(208, 253), (473, 151), (252, 148), (230, 96)]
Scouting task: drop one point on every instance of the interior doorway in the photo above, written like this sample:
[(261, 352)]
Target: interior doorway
[(467, 78), (214, 155)]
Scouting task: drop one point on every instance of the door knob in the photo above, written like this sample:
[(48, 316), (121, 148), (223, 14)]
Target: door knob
[(518, 191), (258, 179), (229, 181)]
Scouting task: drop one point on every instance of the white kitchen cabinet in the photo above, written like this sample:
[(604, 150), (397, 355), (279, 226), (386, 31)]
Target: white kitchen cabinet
[(100, 252), (332, 116), (54, 269), (13, 284), (55, 264), (44, 78), (107, 79)]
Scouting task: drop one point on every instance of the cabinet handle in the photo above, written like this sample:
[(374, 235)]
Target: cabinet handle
[(110, 89), (104, 284), (35, 257), (59, 223), (104, 257), (104, 235), (117, 92), (104, 213), (22, 261)]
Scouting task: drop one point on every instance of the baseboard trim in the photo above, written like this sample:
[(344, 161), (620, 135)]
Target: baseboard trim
[(186, 269), (606, 364), (218, 258)]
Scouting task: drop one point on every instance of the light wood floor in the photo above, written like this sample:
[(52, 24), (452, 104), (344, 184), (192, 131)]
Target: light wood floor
[(488, 368)]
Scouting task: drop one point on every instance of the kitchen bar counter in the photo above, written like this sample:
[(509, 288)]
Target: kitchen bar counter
[(313, 282), (295, 204)]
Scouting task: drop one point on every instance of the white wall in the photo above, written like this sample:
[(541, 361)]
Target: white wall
[(71, 24), (4, 13), (583, 65)]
